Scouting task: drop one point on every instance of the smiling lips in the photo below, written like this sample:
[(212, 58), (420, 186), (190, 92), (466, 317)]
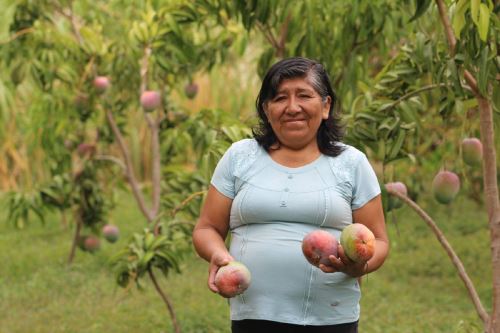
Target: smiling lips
[(293, 120)]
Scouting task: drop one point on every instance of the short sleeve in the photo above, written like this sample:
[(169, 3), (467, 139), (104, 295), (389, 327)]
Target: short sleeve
[(366, 185), (223, 178)]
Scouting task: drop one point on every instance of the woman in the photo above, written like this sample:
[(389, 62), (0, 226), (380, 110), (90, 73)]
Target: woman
[(294, 177)]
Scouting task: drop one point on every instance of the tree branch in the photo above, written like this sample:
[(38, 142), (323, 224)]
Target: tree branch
[(269, 35), (490, 184), (154, 127), (16, 35), (86, 73), (413, 93), (111, 159), (129, 169), (452, 41), (451, 253), (283, 34), (76, 32), (68, 13), (144, 68), (166, 300), (156, 167), (471, 81), (78, 228), (186, 201), (347, 56), (489, 174)]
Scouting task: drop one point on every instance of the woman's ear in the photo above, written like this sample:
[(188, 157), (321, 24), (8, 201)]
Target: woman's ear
[(327, 102), (266, 109)]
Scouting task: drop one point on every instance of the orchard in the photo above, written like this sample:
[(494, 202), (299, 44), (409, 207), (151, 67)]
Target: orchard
[(114, 115)]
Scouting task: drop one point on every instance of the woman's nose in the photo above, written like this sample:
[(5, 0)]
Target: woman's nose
[(293, 105)]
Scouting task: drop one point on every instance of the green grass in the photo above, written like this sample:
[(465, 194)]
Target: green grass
[(417, 290)]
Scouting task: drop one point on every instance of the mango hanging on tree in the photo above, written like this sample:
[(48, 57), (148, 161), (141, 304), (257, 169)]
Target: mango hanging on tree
[(150, 100), (472, 151), (445, 186), (393, 202)]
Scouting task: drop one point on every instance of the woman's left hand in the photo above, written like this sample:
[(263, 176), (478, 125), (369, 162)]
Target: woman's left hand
[(345, 265)]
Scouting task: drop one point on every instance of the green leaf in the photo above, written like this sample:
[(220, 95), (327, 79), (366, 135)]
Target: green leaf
[(263, 11), (396, 147), (474, 10), (149, 238), (458, 21), (459, 107), (483, 71), (484, 21), (173, 24), (169, 259), (470, 103), (453, 73), (365, 116), (389, 124), (159, 241), (6, 17), (147, 258), (421, 8), (496, 97)]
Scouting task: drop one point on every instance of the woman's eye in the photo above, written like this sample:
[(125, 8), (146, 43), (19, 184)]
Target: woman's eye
[(279, 98), (305, 96)]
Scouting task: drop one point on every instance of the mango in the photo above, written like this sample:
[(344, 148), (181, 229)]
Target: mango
[(232, 279), (358, 242), (318, 245)]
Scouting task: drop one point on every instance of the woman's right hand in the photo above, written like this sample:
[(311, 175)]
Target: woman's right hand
[(217, 260)]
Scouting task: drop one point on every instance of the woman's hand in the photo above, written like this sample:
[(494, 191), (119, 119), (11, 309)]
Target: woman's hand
[(211, 231), (219, 259), (345, 265), (372, 216)]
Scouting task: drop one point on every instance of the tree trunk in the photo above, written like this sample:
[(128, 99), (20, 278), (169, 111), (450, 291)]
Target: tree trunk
[(64, 220), (451, 253), (166, 300), (492, 203), (489, 172), (75, 238)]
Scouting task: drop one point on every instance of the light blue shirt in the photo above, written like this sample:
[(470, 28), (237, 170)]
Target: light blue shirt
[(273, 208)]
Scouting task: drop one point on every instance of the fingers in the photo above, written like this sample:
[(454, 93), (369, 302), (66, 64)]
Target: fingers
[(218, 260), (327, 269), (211, 278), (337, 263), (342, 263), (345, 265), (341, 253)]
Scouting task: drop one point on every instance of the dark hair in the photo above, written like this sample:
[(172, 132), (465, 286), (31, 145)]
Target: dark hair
[(330, 131)]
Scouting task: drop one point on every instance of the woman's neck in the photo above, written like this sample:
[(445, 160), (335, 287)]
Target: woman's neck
[(294, 157)]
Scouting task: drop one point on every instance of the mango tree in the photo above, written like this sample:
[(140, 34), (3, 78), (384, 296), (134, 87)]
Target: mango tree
[(428, 74), (105, 62)]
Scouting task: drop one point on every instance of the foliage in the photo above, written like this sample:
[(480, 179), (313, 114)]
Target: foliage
[(21, 204), (51, 51), (404, 97), (90, 197), (331, 32), (191, 152), (58, 193), (146, 251)]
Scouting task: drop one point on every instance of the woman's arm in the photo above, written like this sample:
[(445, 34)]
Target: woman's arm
[(211, 231), (372, 216)]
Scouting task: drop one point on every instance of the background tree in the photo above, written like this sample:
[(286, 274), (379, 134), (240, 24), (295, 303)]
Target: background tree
[(410, 91), (422, 74)]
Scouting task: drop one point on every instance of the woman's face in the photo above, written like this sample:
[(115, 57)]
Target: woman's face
[(296, 112)]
